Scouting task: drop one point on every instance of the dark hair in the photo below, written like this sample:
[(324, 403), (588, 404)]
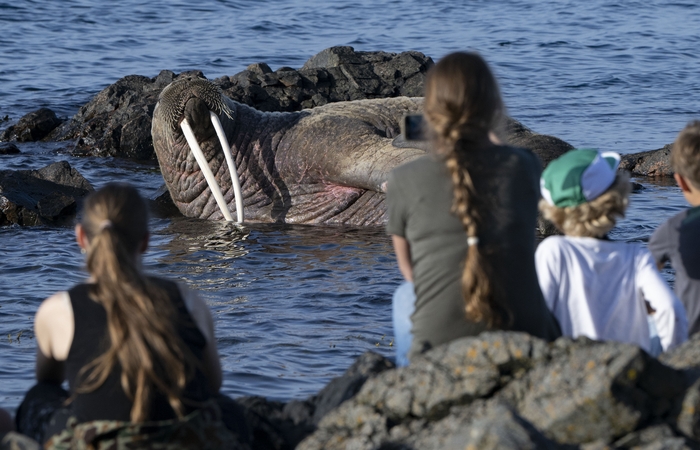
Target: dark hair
[(463, 105), (140, 315)]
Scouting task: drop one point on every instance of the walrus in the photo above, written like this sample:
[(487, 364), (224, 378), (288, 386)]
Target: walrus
[(326, 165)]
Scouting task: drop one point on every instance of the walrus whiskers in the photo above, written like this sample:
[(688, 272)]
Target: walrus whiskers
[(175, 96), (206, 171)]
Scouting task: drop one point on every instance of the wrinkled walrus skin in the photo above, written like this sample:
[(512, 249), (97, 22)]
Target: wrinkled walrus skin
[(320, 166)]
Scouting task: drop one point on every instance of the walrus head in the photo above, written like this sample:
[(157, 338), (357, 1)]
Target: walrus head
[(175, 106), (175, 96)]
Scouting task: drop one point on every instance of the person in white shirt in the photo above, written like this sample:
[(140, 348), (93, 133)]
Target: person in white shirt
[(598, 288)]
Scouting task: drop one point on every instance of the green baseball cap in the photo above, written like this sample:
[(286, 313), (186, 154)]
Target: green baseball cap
[(578, 176)]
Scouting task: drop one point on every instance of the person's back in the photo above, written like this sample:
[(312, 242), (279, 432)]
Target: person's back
[(136, 350), (109, 401), (463, 220), (596, 287), (678, 239), (420, 198)]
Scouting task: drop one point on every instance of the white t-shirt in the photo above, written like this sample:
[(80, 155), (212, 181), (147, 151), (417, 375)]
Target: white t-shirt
[(596, 288)]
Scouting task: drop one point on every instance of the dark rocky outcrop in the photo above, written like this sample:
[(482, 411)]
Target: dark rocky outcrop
[(50, 195), (117, 121), (548, 147), (8, 148), (653, 163), (34, 126)]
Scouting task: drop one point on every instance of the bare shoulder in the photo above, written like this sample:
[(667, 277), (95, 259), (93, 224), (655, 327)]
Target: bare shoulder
[(54, 326)]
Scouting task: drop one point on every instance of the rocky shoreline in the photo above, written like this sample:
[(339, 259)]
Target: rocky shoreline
[(117, 121)]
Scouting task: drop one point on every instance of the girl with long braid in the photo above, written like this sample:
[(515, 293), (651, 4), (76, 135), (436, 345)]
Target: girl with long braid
[(135, 349), (462, 220)]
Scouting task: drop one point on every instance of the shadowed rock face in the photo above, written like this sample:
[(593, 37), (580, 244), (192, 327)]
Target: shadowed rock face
[(33, 127), (50, 195)]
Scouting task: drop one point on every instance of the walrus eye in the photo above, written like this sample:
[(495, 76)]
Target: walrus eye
[(206, 171)]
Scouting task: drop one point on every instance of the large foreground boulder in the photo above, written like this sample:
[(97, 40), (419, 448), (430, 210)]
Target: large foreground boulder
[(510, 390), (48, 196)]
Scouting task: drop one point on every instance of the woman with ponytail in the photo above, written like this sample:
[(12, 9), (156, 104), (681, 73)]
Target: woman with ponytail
[(462, 219), (134, 349)]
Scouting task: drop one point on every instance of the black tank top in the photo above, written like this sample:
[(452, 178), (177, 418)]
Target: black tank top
[(91, 339)]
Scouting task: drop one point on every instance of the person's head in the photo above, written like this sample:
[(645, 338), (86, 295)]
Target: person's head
[(140, 315), (685, 159), (463, 106), (462, 99), (583, 194), (113, 230)]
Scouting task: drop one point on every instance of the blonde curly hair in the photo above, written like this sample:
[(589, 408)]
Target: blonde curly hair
[(594, 218)]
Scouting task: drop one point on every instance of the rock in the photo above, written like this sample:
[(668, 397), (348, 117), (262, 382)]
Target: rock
[(282, 426), (511, 390), (653, 163), (334, 74), (659, 436), (8, 148), (162, 204), (117, 121), (685, 356), (32, 127), (346, 386), (548, 147), (50, 195), (593, 390), (483, 426), (454, 374), (333, 57), (688, 420)]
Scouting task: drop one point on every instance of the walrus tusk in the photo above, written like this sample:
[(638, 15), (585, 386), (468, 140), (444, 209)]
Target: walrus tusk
[(204, 167), (231, 165)]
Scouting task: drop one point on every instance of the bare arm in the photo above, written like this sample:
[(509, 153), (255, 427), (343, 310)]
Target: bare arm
[(403, 256), (53, 328)]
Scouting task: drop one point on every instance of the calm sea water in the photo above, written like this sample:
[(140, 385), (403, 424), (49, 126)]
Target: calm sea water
[(294, 305)]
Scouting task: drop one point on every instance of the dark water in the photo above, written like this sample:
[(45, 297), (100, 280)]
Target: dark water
[(294, 305)]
